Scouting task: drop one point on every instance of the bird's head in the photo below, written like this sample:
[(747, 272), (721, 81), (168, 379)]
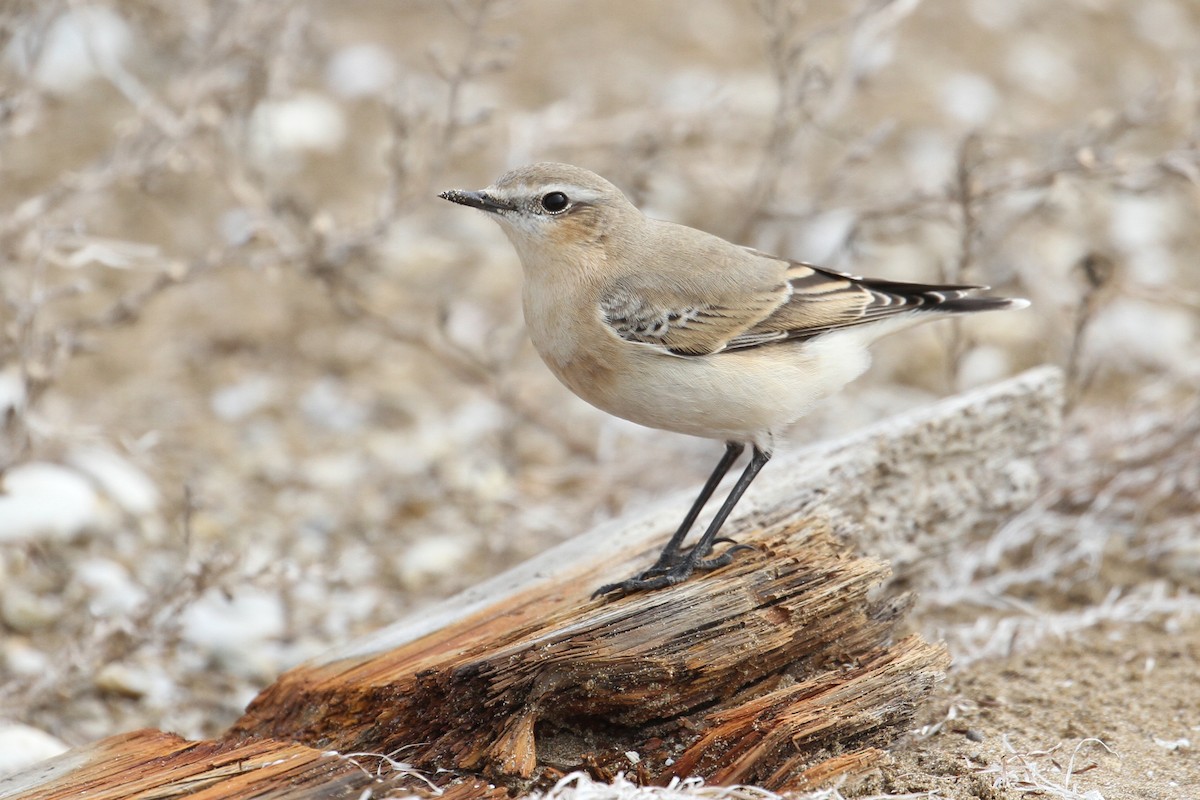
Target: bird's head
[(550, 209)]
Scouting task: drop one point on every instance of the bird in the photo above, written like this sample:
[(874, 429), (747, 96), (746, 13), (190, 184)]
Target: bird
[(675, 328)]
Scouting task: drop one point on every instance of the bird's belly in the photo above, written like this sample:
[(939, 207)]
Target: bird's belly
[(743, 395)]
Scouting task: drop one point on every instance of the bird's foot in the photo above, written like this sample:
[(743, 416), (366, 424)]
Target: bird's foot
[(638, 583), (722, 560), (662, 575), (661, 567), (669, 560)]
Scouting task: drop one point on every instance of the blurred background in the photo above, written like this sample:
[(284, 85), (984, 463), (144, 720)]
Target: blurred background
[(262, 391)]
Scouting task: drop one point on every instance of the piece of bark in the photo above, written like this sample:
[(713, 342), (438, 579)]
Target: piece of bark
[(151, 765), (786, 669)]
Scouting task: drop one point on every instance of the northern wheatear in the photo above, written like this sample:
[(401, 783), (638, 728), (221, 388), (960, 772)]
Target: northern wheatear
[(675, 328)]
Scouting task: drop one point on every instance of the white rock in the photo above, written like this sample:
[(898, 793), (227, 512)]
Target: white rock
[(121, 481), (241, 399), (27, 611), (1041, 65), (150, 684), (360, 70), (329, 405), (42, 500), (306, 122), (224, 625), (22, 658), (1173, 744), (432, 556), (968, 97), (120, 679), (110, 588), (81, 44), (12, 391), (335, 470), (23, 746), (112, 253), (1139, 221)]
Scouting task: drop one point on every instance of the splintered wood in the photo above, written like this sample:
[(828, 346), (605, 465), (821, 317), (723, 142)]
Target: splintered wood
[(778, 667), (151, 765)]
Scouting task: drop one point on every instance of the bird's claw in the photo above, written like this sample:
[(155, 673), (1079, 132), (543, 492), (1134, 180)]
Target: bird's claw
[(668, 561), (722, 560), (638, 583), (662, 575)]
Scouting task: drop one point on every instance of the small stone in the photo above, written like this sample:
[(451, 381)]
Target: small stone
[(125, 484), (121, 680), (43, 500), (239, 400), (22, 746), (22, 658), (110, 589), (25, 611), (361, 70), (431, 557)]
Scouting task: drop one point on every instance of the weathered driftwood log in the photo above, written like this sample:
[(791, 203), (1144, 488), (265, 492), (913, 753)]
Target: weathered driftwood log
[(784, 653), (785, 669)]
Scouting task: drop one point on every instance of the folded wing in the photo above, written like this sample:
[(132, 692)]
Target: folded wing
[(807, 301)]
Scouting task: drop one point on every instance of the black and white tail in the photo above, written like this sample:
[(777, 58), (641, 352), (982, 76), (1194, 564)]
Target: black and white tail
[(898, 296)]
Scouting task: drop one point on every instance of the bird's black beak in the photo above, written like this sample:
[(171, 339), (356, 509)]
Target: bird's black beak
[(480, 200)]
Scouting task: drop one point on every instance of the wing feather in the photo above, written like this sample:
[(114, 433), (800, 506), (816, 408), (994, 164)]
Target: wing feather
[(805, 301), (684, 325)]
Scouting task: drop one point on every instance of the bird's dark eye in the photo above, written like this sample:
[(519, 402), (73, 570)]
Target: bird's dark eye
[(554, 202)]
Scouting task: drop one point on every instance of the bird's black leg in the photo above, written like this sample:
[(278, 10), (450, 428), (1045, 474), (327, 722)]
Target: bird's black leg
[(670, 553), (683, 567)]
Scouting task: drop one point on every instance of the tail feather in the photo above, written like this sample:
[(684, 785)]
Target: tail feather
[(969, 305), (894, 296)]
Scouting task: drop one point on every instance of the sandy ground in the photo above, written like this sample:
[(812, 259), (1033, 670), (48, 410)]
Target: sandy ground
[(262, 392), (1113, 710)]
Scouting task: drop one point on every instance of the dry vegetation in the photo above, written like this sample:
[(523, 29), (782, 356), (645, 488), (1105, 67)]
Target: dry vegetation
[(261, 391)]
